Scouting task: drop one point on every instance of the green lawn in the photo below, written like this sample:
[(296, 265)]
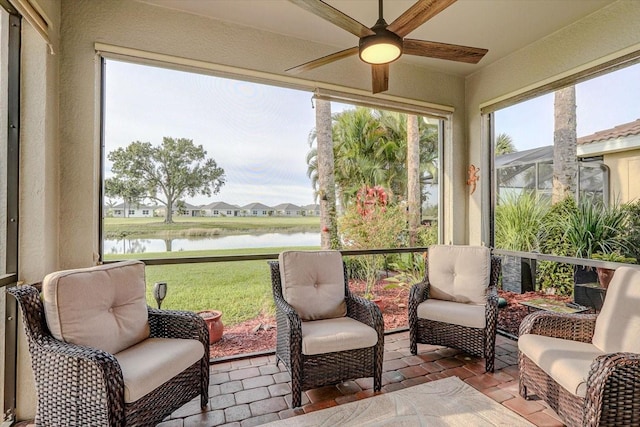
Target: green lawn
[(115, 228), (241, 289)]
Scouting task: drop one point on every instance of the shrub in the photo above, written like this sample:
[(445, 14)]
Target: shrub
[(518, 221), (552, 274), (370, 223), (632, 235), (595, 228)]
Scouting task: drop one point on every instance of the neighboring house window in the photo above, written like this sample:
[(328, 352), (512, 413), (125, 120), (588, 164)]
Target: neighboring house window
[(215, 212), (132, 212), (255, 212), (145, 212), (118, 212), (264, 212), (229, 212)]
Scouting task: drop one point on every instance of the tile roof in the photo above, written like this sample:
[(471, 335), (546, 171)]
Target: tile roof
[(620, 131)]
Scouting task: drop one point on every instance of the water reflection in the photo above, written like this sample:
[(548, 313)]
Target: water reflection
[(268, 240)]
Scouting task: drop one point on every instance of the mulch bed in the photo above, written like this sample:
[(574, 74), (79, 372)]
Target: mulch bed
[(259, 334)]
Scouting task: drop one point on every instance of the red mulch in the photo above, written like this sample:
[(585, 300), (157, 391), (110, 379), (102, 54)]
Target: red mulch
[(259, 334)]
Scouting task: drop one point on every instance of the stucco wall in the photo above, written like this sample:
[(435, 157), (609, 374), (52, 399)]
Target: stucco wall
[(624, 169), (602, 33), (39, 178)]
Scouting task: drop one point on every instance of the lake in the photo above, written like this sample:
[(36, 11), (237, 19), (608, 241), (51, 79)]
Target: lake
[(237, 241)]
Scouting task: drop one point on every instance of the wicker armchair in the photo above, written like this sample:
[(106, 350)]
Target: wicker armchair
[(356, 349), (587, 368), (78, 385), (456, 305)]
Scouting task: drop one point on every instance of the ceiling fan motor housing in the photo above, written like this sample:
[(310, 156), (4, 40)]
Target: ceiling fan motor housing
[(382, 47)]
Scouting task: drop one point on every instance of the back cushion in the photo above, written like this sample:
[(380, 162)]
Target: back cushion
[(313, 283), (102, 307), (618, 324), (459, 273)]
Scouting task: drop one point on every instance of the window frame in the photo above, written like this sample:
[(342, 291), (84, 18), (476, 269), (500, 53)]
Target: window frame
[(13, 163), (443, 113), (487, 116)]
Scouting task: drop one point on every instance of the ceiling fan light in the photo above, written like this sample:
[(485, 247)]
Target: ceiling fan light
[(381, 48)]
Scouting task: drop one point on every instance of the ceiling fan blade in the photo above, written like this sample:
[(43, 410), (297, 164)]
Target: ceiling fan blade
[(323, 61), (379, 78), (333, 15), (418, 14), (451, 52)]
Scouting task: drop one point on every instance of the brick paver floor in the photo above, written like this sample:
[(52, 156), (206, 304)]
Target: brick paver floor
[(250, 392)]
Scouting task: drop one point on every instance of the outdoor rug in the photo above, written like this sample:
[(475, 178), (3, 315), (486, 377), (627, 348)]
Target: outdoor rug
[(446, 402)]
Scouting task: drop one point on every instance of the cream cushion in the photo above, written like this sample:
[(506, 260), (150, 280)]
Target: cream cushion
[(618, 324), (459, 273), (338, 334), (567, 362), (101, 307), (313, 283), (154, 361), (469, 315)]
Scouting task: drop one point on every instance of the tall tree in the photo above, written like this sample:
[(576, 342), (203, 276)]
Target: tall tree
[(326, 183), (565, 159), (414, 196), (165, 173)]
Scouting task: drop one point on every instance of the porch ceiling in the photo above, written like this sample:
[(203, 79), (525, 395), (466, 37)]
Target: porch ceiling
[(502, 26)]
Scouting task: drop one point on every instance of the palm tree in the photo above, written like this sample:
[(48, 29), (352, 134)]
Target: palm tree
[(370, 148), (565, 159), (326, 184), (504, 145)]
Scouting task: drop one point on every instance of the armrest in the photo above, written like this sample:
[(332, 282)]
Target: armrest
[(576, 327), (178, 324), (293, 321), (419, 292), (367, 312), (84, 367), (613, 377)]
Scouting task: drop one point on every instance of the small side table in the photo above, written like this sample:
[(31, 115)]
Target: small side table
[(552, 305)]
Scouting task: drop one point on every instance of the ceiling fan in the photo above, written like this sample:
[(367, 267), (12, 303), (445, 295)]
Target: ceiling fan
[(384, 43)]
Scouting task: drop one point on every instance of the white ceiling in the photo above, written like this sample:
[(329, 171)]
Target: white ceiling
[(502, 26)]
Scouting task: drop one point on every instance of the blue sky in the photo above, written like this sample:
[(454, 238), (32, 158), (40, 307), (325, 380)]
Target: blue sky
[(602, 103), (263, 150)]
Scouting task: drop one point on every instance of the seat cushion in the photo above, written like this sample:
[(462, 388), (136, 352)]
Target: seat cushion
[(457, 313), (567, 362), (338, 334), (154, 361), (313, 283), (101, 307), (618, 324), (459, 273)]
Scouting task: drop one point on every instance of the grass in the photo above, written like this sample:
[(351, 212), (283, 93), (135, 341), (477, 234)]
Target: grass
[(240, 289), (117, 228)]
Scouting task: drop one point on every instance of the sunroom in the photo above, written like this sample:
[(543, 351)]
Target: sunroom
[(52, 101)]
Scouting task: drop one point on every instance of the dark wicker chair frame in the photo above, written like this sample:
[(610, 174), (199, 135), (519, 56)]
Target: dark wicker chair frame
[(475, 341), (612, 396), (83, 386), (318, 370)]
